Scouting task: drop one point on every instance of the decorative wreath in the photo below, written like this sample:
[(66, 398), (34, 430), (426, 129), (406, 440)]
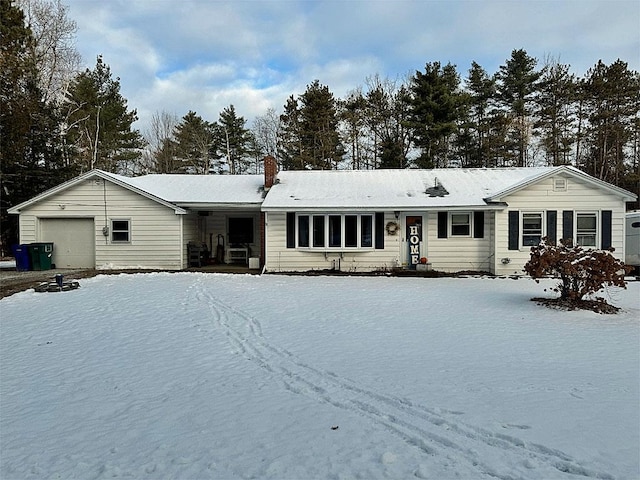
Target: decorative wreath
[(392, 228)]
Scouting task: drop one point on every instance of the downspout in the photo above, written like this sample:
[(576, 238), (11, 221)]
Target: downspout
[(180, 242), (265, 224)]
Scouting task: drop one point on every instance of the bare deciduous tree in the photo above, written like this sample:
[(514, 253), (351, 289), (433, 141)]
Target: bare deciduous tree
[(159, 157), (55, 54)]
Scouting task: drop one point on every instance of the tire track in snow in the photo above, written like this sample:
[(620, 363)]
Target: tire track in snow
[(420, 427)]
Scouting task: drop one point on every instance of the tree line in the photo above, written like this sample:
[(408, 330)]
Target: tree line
[(57, 121)]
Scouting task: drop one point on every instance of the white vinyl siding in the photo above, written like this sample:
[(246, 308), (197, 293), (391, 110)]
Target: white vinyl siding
[(155, 236), (458, 253), (542, 197)]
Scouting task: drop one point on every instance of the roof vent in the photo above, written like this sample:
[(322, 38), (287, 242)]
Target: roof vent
[(437, 190)]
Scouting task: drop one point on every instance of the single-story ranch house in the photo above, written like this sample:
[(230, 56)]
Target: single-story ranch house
[(348, 220)]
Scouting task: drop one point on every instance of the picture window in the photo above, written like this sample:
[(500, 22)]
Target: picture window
[(335, 231)]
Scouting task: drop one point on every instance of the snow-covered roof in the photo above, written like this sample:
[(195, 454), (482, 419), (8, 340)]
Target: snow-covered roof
[(338, 189), (202, 190), (395, 189)]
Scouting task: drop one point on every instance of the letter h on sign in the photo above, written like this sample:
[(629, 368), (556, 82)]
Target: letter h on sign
[(414, 244)]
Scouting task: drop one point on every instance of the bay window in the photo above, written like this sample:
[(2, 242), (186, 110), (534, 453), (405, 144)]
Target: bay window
[(335, 231)]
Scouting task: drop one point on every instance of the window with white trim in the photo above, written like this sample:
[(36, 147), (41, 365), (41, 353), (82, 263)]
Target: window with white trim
[(460, 224), (586, 229), (334, 231), (531, 229), (120, 231)]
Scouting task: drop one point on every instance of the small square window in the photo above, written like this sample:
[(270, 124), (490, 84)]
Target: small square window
[(460, 224), (120, 231)]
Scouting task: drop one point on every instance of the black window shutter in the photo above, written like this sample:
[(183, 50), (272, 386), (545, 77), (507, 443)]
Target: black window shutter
[(514, 234), (478, 224), (552, 225), (567, 226), (379, 228), (606, 229), (442, 224), (291, 229)]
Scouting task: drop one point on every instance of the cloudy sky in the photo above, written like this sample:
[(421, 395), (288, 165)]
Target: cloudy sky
[(203, 55)]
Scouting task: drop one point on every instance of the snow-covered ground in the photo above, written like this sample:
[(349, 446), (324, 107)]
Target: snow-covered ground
[(194, 376)]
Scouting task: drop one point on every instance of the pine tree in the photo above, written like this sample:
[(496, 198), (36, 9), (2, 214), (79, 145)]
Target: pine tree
[(517, 86), (321, 147), (556, 117), (99, 126), (435, 111), (611, 95), (195, 145), (290, 136), (480, 99), (236, 145), (352, 115)]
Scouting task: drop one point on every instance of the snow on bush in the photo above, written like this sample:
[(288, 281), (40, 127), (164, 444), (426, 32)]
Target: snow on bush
[(582, 273)]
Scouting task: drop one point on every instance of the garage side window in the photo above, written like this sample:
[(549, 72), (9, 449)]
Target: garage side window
[(120, 231)]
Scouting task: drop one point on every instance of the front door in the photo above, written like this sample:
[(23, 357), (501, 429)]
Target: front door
[(414, 239)]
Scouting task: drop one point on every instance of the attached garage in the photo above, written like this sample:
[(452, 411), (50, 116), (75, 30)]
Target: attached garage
[(73, 241)]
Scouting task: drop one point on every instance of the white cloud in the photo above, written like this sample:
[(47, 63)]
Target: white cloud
[(202, 55)]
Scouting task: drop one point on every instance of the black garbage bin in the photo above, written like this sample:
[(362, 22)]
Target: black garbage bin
[(21, 254), (40, 254)]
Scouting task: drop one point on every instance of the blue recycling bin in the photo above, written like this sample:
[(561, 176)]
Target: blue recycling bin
[(21, 254)]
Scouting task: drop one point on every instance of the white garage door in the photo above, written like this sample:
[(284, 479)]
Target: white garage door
[(73, 241)]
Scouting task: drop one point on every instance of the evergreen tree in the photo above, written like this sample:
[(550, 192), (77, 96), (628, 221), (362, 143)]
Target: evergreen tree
[(517, 86), (321, 147), (290, 136), (611, 95), (556, 113), (479, 108), (435, 111), (353, 117), (195, 145), (99, 131), (236, 146), (309, 137)]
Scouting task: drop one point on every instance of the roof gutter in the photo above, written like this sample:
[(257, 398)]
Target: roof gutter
[(387, 208)]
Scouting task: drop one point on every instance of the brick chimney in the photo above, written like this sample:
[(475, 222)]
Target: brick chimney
[(270, 171)]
